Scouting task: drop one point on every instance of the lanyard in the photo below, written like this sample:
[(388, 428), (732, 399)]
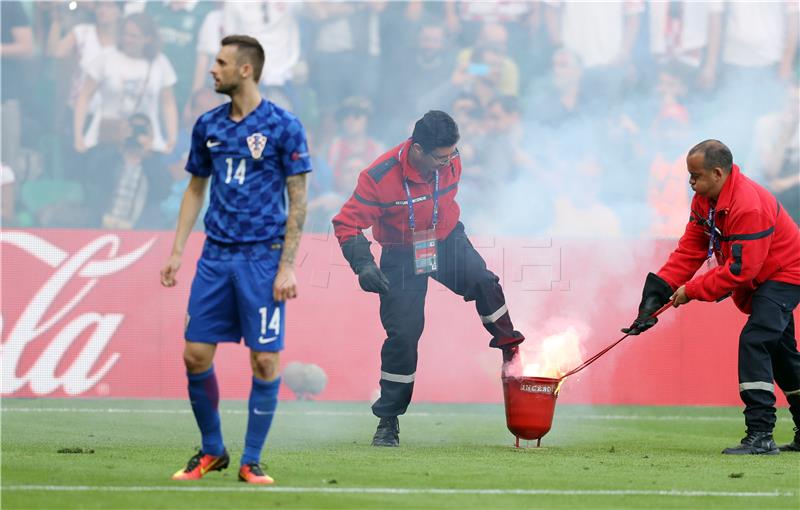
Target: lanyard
[(411, 217), (713, 228)]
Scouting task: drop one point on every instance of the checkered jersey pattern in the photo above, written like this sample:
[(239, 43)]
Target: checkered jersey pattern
[(248, 162), (226, 252)]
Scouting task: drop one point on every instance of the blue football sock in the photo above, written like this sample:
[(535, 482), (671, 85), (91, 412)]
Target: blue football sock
[(261, 409), (204, 395)]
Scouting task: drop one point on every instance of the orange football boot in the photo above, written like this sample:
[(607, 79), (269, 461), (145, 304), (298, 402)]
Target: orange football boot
[(252, 473), (201, 464)]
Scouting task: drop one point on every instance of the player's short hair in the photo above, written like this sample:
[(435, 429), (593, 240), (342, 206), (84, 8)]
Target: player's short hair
[(248, 50), (435, 129), (715, 154)]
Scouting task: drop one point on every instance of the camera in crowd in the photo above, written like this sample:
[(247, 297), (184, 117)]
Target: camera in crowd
[(140, 136)]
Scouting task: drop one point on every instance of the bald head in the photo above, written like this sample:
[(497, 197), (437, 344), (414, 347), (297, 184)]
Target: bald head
[(715, 155)]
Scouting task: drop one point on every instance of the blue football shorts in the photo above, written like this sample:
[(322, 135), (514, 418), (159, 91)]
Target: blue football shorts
[(231, 297)]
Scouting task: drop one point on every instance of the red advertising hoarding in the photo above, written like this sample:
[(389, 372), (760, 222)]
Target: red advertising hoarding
[(84, 315)]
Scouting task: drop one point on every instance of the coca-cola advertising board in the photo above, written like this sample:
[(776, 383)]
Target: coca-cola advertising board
[(84, 315)]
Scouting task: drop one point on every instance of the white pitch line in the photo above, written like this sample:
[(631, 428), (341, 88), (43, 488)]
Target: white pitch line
[(608, 417), (402, 491)]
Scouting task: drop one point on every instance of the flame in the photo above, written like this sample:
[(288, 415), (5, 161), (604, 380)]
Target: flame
[(554, 356)]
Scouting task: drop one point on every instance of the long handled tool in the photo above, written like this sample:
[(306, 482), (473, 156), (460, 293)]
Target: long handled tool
[(531, 401), (597, 356)]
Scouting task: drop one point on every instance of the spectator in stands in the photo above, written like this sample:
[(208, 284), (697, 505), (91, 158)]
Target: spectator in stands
[(354, 141), (16, 51), (469, 116), (201, 101), (758, 51), (603, 35), (334, 55), (668, 195), (760, 41), (505, 146), (561, 94), (136, 174), (136, 78), (275, 26), (348, 154), (306, 99), (472, 123), (84, 41), (178, 26), (777, 152), (208, 37), (431, 58), (689, 34), (488, 58)]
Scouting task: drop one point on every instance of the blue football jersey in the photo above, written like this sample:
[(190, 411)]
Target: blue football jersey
[(248, 162)]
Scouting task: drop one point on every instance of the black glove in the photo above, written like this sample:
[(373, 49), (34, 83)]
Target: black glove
[(372, 279), (502, 342), (356, 251), (509, 345), (656, 293)]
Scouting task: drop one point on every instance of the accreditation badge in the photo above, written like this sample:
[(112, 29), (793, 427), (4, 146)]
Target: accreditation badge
[(425, 253)]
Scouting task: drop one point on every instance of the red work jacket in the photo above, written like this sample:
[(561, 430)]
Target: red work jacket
[(380, 201), (757, 241)]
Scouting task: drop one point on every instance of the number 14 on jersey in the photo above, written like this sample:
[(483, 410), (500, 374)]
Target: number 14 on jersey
[(241, 170)]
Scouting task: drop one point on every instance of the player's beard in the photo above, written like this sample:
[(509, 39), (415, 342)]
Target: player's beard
[(226, 88)]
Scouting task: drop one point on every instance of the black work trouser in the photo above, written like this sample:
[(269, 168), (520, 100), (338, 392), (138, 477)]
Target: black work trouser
[(767, 352), (462, 270)]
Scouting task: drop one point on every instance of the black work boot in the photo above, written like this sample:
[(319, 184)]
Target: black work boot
[(388, 432), (794, 446), (755, 443)]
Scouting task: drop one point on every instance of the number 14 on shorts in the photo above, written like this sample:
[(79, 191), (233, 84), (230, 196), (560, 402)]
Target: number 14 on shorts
[(270, 325)]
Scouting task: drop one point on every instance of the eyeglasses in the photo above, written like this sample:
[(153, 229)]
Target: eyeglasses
[(443, 160)]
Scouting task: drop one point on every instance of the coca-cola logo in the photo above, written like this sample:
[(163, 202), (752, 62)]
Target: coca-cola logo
[(98, 259)]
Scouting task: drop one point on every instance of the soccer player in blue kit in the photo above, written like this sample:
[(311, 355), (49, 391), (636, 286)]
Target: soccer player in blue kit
[(256, 155)]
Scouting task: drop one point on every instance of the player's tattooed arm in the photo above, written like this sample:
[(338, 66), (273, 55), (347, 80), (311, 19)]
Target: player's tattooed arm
[(285, 286), (296, 189)]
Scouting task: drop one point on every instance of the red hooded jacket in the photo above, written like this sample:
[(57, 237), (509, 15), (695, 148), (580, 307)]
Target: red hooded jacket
[(758, 241), (379, 200)]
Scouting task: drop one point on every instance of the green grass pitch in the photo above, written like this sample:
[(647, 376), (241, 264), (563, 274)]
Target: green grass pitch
[(451, 456)]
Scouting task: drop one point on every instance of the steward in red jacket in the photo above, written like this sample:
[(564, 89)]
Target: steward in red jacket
[(756, 245), (408, 196)]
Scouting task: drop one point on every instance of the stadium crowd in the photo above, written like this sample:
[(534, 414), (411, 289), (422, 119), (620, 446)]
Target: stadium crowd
[(574, 117)]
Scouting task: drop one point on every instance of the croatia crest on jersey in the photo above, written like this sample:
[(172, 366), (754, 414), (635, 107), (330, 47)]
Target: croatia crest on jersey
[(256, 143)]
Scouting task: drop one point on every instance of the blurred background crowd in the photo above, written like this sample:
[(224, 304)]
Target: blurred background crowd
[(575, 117)]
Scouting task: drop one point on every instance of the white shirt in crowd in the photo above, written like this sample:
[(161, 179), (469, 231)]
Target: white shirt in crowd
[(755, 32), (210, 34), (274, 24), (127, 86), (595, 31), (88, 48), (686, 38)]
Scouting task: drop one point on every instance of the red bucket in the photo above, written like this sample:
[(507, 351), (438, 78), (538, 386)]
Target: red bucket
[(530, 404)]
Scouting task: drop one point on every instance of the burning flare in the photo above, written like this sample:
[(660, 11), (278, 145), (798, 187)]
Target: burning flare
[(552, 357)]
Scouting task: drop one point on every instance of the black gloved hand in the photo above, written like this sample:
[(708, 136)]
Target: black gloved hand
[(509, 345), (656, 293), (356, 252), (504, 342), (372, 279)]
